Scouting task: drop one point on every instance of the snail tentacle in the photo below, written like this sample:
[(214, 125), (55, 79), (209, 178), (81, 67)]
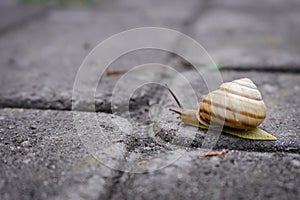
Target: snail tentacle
[(174, 96), (175, 111)]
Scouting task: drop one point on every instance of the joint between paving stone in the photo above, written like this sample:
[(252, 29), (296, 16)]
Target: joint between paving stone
[(115, 180), (262, 68)]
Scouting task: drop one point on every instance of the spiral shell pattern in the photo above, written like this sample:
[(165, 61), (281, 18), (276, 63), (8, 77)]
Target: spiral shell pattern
[(237, 104)]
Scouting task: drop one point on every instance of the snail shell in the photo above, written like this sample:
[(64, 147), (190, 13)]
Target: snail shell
[(237, 104)]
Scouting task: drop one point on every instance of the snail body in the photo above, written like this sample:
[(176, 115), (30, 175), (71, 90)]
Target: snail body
[(238, 105)]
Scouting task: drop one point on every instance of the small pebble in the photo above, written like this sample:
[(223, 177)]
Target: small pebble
[(25, 143), (179, 176), (215, 160), (33, 127), (147, 148), (26, 161), (11, 127), (296, 163), (195, 190), (46, 183)]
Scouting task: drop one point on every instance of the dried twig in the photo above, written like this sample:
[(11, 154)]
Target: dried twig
[(111, 72), (215, 153)]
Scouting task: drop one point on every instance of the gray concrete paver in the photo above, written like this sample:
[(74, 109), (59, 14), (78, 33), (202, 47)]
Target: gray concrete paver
[(236, 175), (43, 157), (14, 15), (249, 34), (39, 62)]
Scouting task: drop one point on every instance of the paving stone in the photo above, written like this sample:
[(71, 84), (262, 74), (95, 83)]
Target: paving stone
[(14, 14), (249, 34), (236, 175), (278, 91), (40, 61), (45, 155), (70, 155), (42, 157), (48, 154)]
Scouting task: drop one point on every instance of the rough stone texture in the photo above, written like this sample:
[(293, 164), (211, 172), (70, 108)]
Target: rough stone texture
[(249, 34), (39, 62), (64, 155), (42, 156), (236, 175), (278, 91), (48, 154)]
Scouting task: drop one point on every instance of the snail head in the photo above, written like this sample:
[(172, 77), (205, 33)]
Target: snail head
[(185, 115)]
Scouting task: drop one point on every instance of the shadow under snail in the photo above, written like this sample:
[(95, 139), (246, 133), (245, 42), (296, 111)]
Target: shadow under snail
[(237, 105)]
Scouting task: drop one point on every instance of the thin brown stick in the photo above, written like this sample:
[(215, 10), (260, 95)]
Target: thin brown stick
[(215, 153), (175, 111), (174, 96), (111, 72)]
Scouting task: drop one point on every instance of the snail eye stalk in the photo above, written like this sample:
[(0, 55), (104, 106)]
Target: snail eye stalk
[(174, 96), (175, 111)]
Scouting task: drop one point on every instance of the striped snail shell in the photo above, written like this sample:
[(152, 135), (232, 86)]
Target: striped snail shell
[(237, 104)]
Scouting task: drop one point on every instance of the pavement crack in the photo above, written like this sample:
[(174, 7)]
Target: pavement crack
[(271, 69), (112, 187)]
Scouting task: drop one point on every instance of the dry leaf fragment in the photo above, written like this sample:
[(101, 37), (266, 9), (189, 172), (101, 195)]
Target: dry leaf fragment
[(215, 153), (111, 72)]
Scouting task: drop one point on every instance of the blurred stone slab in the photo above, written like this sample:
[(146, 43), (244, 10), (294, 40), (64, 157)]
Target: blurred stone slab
[(40, 61), (236, 175), (250, 34), (279, 93), (14, 14)]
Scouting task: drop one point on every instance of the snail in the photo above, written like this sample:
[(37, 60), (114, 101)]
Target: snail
[(238, 105)]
